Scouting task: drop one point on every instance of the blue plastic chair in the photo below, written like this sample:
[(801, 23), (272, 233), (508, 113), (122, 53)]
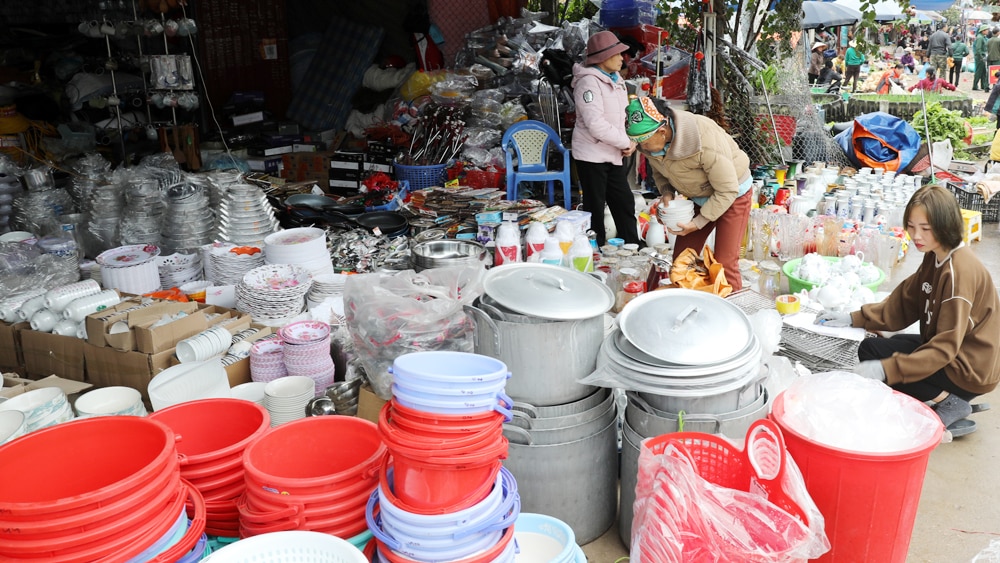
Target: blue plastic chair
[(527, 145)]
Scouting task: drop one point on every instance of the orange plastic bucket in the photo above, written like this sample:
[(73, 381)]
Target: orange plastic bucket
[(868, 500), (83, 465), (392, 431), (295, 457), (470, 498), (427, 480), (487, 556), (213, 429)]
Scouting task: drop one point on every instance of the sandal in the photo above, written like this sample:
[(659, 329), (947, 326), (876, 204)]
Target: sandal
[(962, 427)]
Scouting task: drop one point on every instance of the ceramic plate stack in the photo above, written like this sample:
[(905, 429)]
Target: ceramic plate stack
[(179, 269), (13, 424), (252, 391), (679, 211), (267, 360), (286, 398), (307, 352), (131, 269), (323, 286), (245, 216), (304, 246), (41, 407), (228, 263), (273, 294), (143, 213), (188, 221)]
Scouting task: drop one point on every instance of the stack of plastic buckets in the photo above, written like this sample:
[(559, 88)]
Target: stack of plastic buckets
[(313, 474), (212, 435), (106, 488), (446, 496)]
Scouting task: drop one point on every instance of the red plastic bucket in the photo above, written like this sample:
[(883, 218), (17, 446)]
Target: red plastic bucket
[(869, 500), (344, 520), (427, 479), (447, 422), (471, 497), (83, 465), (487, 556), (334, 495), (213, 429), (296, 457), (392, 431)]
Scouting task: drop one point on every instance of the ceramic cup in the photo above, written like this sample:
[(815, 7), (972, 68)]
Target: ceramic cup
[(65, 327), (58, 298), (44, 320), (30, 307), (80, 308)]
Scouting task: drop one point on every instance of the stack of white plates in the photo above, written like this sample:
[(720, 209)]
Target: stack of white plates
[(273, 294), (324, 286), (41, 407), (267, 360), (179, 269), (110, 401), (228, 263), (204, 345), (304, 246), (13, 424), (189, 382), (307, 352), (245, 216), (253, 392), (679, 211), (131, 269), (286, 398)]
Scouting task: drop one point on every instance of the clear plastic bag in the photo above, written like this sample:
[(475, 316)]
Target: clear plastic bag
[(391, 315), (699, 498)]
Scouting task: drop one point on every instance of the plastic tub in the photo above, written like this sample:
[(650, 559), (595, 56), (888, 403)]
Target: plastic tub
[(455, 369), (295, 458), (214, 429), (289, 546), (868, 500), (447, 423), (544, 538), (450, 389), (501, 552), (425, 480), (392, 434), (796, 285)]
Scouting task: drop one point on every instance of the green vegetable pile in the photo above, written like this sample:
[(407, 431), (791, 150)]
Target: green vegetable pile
[(942, 124)]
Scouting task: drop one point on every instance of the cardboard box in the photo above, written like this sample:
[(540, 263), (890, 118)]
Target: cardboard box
[(308, 166), (150, 340), (14, 386), (48, 354), (11, 357), (239, 372), (97, 324), (369, 404), (109, 367)]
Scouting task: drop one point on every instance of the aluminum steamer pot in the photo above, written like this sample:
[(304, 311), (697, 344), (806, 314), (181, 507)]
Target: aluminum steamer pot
[(552, 332)]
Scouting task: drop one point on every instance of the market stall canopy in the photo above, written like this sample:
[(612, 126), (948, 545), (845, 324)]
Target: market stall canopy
[(885, 10), (925, 16), (978, 15), (829, 14)]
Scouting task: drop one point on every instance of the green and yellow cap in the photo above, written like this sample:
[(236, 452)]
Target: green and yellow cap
[(643, 119)]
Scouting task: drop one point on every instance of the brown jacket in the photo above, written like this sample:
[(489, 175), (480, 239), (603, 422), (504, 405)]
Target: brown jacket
[(701, 161), (958, 310)]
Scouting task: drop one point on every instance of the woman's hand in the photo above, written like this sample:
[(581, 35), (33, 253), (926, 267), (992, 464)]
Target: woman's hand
[(631, 149), (684, 229)]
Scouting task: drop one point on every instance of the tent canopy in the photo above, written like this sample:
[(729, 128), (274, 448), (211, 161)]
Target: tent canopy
[(885, 10), (829, 14)]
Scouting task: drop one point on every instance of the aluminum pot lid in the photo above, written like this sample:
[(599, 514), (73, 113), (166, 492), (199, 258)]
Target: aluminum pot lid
[(546, 291), (684, 326)]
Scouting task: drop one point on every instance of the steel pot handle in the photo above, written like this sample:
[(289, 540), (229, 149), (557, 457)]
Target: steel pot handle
[(521, 420), (683, 419), (641, 403), (479, 316), (518, 435), (527, 409), (687, 313), (558, 282)]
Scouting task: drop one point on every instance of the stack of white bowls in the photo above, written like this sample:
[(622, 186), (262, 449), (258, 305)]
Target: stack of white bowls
[(58, 298), (286, 398), (110, 401), (131, 269), (78, 309), (267, 360), (10, 307), (204, 345), (189, 382), (678, 212), (304, 246), (307, 352), (41, 407), (13, 424), (252, 391)]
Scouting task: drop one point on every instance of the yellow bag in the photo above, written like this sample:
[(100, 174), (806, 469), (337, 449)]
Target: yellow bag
[(951, 62), (701, 273), (995, 147)]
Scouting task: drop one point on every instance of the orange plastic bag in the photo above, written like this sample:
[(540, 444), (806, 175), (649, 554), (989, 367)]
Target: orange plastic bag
[(702, 273)]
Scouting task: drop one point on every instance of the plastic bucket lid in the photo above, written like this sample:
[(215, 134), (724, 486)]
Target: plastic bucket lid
[(458, 368), (295, 456), (421, 504), (111, 457), (868, 500), (494, 553), (213, 429)]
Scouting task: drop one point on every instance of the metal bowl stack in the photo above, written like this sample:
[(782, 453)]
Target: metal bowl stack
[(344, 395), (449, 252)]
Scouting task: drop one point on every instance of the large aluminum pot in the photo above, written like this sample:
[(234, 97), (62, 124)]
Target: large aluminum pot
[(560, 416), (520, 429), (647, 421), (545, 359), (631, 441), (575, 482), (736, 395)]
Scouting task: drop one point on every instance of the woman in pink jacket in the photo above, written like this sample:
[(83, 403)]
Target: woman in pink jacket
[(599, 139)]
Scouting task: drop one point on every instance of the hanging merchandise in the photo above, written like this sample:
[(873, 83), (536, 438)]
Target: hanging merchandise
[(698, 98)]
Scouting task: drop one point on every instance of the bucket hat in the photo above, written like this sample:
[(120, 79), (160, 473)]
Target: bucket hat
[(602, 46)]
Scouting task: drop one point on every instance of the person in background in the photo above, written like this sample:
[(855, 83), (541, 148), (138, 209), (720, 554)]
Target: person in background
[(938, 48), (959, 50), (992, 106), (890, 78), (693, 156), (956, 355), (828, 75), (922, 67), (816, 60), (907, 60), (980, 81), (932, 83), (599, 139), (922, 43), (992, 50), (852, 65)]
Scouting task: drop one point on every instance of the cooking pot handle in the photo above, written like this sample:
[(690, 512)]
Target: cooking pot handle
[(684, 315), (557, 281), (521, 420), (527, 409), (516, 434), (479, 316), (641, 403), (683, 419)]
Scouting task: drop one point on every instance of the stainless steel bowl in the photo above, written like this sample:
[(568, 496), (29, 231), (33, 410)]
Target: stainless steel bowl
[(449, 252)]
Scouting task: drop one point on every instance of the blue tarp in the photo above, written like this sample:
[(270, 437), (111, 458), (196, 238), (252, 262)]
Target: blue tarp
[(893, 138)]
